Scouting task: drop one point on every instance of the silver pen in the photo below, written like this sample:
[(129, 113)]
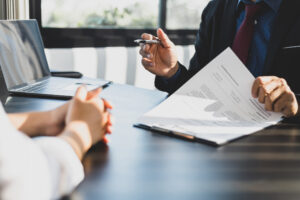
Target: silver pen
[(141, 41)]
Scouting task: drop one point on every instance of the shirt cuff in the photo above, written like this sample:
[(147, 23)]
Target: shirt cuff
[(65, 167), (172, 79)]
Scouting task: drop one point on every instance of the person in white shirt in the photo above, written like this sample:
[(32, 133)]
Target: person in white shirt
[(48, 166)]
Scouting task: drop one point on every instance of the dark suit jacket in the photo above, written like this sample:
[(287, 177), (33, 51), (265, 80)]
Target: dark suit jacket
[(217, 31)]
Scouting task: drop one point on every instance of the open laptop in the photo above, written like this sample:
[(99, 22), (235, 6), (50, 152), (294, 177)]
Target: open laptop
[(24, 64)]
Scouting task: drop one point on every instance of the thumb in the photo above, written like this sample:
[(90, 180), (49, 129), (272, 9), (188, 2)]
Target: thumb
[(81, 93), (93, 93), (166, 42)]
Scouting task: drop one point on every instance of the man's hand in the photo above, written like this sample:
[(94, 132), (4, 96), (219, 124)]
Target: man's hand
[(275, 93), (159, 59)]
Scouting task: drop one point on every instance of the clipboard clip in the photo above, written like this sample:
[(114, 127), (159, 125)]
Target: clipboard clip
[(163, 130), (159, 129)]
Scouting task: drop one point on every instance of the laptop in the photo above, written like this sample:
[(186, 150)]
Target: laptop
[(25, 67)]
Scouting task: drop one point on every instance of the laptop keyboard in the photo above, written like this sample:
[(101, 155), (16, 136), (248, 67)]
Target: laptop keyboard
[(36, 87)]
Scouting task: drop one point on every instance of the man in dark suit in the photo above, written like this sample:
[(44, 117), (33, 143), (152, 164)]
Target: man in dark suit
[(265, 34)]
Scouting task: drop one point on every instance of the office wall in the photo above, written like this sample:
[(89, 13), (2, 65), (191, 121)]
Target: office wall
[(119, 64)]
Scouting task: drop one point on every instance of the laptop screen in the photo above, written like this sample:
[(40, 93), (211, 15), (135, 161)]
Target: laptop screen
[(22, 55)]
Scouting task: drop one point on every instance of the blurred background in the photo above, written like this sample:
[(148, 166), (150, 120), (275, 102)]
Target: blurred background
[(96, 37)]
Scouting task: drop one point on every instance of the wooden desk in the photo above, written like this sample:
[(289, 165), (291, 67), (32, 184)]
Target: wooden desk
[(139, 164)]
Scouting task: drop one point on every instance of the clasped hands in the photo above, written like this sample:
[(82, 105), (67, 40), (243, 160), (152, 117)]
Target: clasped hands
[(82, 122)]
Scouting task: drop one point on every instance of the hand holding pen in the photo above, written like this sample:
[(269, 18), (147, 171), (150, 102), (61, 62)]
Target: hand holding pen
[(158, 54), (142, 41)]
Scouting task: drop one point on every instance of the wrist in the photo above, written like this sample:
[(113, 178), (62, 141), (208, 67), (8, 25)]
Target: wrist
[(77, 135), (45, 124), (53, 124), (172, 71), (32, 124)]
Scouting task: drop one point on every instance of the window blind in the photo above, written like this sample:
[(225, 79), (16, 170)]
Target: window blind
[(14, 9)]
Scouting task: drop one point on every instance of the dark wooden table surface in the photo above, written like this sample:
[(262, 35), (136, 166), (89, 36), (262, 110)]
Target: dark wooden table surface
[(140, 164)]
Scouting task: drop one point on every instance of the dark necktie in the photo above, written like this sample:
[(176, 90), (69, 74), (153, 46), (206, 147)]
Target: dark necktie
[(243, 39)]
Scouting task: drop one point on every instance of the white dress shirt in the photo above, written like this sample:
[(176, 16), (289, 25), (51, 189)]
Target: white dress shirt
[(40, 168)]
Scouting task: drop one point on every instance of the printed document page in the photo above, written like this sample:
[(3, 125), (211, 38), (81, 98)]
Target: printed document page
[(214, 105)]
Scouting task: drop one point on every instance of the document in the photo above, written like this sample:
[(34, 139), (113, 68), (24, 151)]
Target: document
[(215, 105)]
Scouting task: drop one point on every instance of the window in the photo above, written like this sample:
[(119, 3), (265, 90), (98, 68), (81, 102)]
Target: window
[(183, 14), (100, 14), (99, 23)]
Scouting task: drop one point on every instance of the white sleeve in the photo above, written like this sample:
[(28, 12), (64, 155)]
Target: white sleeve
[(65, 168), (24, 171), (43, 168)]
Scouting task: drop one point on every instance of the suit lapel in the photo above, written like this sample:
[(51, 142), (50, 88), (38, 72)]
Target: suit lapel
[(228, 26), (287, 13)]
